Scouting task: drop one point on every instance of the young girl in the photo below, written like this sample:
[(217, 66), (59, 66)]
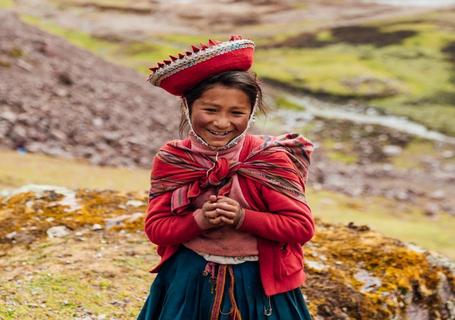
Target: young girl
[(226, 209)]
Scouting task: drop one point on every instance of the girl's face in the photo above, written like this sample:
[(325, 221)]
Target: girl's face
[(220, 114)]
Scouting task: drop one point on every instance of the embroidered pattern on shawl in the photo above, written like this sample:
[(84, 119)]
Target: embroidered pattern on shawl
[(187, 172)]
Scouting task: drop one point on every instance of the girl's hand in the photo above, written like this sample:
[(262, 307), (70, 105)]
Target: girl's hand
[(229, 211), (211, 218)]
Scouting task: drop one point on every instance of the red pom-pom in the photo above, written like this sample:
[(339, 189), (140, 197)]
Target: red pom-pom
[(235, 37)]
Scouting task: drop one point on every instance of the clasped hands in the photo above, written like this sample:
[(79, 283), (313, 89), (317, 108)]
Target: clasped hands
[(220, 210)]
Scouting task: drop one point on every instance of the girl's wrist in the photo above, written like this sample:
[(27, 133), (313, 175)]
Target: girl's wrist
[(201, 220), (240, 218)]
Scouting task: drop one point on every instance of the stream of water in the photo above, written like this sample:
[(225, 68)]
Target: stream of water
[(312, 107)]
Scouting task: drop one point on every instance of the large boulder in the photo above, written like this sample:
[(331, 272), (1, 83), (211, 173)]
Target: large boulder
[(352, 272)]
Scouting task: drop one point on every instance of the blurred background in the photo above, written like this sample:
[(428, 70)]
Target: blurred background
[(371, 83)]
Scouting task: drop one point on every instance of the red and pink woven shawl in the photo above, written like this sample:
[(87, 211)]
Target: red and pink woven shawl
[(280, 163)]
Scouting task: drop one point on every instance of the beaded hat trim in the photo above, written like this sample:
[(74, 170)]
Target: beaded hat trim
[(170, 67)]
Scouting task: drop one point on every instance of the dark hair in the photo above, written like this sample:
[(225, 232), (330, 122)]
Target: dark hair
[(242, 80)]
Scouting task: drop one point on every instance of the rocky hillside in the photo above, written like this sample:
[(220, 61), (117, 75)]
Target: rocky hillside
[(61, 100), (353, 273)]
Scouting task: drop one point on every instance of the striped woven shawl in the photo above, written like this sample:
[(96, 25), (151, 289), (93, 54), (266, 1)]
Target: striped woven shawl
[(280, 163)]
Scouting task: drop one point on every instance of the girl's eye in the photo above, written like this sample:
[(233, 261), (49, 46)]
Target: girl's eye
[(210, 109), (238, 113)]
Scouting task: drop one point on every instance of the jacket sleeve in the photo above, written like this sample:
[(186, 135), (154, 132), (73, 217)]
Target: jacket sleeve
[(165, 228), (288, 220)]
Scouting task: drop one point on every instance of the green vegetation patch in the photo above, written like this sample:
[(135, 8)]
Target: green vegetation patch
[(19, 169), (336, 71), (283, 102), (401, 66), (78, 38), (392, 218), (343, 153), (136, 55), (141, 55), (5, 4)]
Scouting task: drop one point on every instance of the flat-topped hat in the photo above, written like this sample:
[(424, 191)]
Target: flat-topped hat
[(179, 74)]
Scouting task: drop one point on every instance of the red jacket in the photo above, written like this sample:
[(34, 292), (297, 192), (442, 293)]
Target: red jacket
[(282, 225)]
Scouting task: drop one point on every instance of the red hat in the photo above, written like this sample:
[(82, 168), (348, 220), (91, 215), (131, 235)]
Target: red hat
[(178, 75)]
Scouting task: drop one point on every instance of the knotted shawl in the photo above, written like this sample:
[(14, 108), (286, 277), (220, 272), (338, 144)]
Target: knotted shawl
[(187, 172)]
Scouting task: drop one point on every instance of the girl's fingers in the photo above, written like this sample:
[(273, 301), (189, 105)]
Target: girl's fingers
[(223, 199), (216, 220), (211, 214), (226, 206), (226, 220), (225, 213), (207, 206), (212, 198)]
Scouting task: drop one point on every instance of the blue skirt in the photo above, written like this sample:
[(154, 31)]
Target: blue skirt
[(183, 291)]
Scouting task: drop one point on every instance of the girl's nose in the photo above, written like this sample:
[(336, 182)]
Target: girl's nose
[(221, 122)]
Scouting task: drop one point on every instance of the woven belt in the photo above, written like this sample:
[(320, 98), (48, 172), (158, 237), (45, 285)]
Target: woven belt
[(219, 283)]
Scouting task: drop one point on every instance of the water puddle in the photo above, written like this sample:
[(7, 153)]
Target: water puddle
[(312, 108)]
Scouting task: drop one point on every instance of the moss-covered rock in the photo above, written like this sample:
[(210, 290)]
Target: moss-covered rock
[(352, 272)]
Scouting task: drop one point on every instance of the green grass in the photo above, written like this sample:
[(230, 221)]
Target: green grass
[(389, 217), (5, 4), (412, 154), (285, 103), (96, 45), (345, 155), (323, 71), (18, 169)]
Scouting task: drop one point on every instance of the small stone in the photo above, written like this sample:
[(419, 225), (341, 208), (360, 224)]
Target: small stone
[(391, 150), (447, 154), (97, 227), (58, 232), (316, 266), (136, 216), (371, 283), (116, 221), (135, 203), (438, 194), (401, 195), (432, 209), (11, 236)]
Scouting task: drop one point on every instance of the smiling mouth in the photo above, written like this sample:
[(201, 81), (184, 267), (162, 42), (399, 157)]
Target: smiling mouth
[(219, 133)]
